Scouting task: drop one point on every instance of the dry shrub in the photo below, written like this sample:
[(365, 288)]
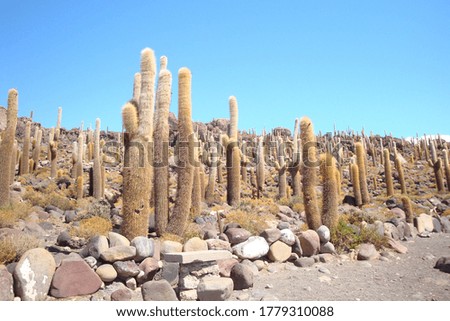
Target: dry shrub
[(446, 212), (92, 226), (171, 237), (192, 230), (12, 247), (345, 237), (11, 214), (53, 198), (253, 222)]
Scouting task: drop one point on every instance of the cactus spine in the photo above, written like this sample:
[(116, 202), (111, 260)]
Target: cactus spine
[(361, 161), (309, 174), (330, 191), (161, 143), (7, 148), (137, 171), (178, 220), (233, 157), (388, 173), (24, 163), (97, 168)]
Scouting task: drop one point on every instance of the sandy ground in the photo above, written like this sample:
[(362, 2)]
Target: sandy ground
[(403, 277)]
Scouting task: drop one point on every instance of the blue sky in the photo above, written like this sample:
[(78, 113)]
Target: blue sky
[(381, 65)]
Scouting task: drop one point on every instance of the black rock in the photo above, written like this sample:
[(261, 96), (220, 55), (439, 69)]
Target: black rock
[(391, 203), (350, 200), (443, 264)]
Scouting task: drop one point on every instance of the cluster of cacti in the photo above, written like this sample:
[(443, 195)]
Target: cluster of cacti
[(7, 156)]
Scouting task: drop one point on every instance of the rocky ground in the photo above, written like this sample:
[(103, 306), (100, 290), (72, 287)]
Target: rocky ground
[(393, 277)]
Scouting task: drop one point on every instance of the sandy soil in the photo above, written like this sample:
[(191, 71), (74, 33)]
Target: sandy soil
[(403, 277)]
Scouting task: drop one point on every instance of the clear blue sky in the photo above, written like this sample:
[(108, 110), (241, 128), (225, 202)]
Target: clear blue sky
[(384, 65)]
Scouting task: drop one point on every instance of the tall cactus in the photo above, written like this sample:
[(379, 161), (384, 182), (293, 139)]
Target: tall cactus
[(295, 161), (447, 169), (361, 161), (436, 163), (408, 209), (388, 173), (178, 220), (97, 168), (24, 168), (233, 157), (330, 191), (58, 124), (213, 162), (7, 147), (280, 166), (309, 173), (197, 185), (161, 150), (52, 153), (260, 165), (356, 184), (138, 123), (37, 147), (401, 175)]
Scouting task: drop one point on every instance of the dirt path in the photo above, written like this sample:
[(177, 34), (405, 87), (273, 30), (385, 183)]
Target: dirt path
[(409, 276)]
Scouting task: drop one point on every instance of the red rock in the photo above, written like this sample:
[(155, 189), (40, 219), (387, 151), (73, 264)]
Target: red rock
[(310, 242), (74, 278)]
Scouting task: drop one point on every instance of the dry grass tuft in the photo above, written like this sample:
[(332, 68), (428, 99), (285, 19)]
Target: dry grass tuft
[(11, 214), (13, 247), (92, 226), (253, 222)]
